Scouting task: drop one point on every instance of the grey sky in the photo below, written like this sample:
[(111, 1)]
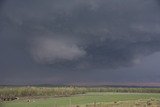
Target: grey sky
[(92, 41)]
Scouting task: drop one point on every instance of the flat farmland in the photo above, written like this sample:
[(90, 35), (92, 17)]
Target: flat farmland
[(90, 99)]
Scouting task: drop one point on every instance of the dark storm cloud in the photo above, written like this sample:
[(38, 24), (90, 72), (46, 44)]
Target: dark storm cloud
[(76, 35)]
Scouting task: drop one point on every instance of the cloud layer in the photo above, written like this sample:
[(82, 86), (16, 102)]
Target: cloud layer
[(78, 35)]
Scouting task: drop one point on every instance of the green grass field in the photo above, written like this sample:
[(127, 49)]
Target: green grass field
[(80, 100)]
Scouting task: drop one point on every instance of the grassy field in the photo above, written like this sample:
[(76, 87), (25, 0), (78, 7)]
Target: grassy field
[(32, 91), (81, 100), (40, 91)]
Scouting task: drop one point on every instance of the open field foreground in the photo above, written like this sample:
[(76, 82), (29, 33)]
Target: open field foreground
[(91, 99)]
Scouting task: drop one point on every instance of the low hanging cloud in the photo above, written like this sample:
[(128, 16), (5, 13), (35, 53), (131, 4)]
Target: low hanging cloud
[(52, 50)]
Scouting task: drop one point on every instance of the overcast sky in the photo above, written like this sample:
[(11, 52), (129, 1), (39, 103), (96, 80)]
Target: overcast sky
[(79, 41)]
